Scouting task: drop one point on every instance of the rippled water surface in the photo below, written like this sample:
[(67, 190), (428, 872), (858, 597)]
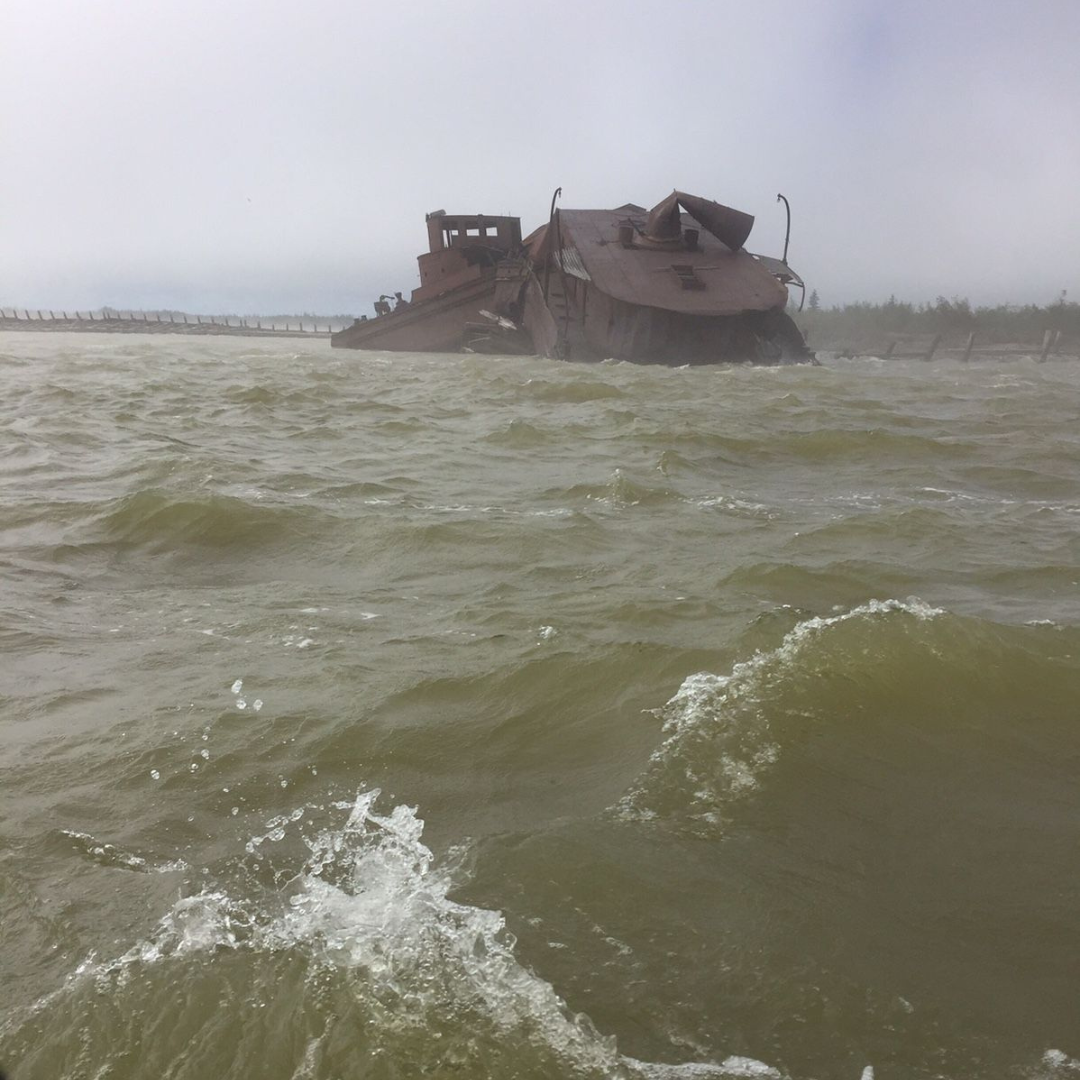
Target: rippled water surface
[(388, 717)]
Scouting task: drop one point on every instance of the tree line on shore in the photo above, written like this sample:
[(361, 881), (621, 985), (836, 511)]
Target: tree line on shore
[(951, 317)]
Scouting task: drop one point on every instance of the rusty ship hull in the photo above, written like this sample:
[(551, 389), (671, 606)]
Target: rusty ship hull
[(674, 285)]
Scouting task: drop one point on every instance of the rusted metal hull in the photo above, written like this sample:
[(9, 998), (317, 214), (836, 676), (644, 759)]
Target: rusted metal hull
[(626, 284), (594, 326), (438, 325)]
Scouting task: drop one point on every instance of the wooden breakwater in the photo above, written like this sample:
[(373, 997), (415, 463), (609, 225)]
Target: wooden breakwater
[(1051, 344), (156, 322)]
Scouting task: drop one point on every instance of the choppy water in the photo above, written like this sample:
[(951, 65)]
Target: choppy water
[(467, 717)]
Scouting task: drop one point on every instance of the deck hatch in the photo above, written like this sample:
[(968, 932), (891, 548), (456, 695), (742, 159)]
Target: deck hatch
[(687, 276)]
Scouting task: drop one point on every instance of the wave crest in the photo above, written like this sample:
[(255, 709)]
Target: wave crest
[(720, 729)]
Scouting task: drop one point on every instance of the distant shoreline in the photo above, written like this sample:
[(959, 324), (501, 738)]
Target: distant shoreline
[(156, 323)]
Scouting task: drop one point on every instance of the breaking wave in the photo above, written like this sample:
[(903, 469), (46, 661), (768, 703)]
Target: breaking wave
[(360, 961), (724, 733)]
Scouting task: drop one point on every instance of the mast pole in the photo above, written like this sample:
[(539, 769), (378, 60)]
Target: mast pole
[(787, 235)]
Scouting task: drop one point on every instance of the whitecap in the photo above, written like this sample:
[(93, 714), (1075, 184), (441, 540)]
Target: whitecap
[(719, 740)]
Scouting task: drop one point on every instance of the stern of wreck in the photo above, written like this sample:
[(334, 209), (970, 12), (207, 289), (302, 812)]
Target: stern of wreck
[(459, 282)]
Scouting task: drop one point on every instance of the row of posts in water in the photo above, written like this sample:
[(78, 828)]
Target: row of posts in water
[(168, 318), (1050, 342)]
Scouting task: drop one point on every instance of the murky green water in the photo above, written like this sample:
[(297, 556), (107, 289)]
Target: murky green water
[(465, 717)]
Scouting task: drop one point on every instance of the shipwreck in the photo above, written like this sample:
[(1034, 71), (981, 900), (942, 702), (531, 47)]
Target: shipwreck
[(670, 285)]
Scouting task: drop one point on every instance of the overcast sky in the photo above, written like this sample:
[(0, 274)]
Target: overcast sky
[(279, 156)]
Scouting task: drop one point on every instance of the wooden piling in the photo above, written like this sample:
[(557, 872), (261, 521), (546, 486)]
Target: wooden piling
[(891, 349), (933, 347), (967, 347), (1048, 337)]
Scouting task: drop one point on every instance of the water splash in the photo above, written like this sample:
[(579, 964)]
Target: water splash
[(436, 982)]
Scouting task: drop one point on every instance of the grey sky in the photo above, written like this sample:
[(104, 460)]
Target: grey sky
[(272, 156)]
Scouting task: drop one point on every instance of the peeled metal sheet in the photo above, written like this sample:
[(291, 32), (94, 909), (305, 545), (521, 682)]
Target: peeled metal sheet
[(570, 262), (729, 226), (779, 269)]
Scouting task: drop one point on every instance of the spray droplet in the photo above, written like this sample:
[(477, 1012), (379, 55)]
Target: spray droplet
[(238, 686)]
